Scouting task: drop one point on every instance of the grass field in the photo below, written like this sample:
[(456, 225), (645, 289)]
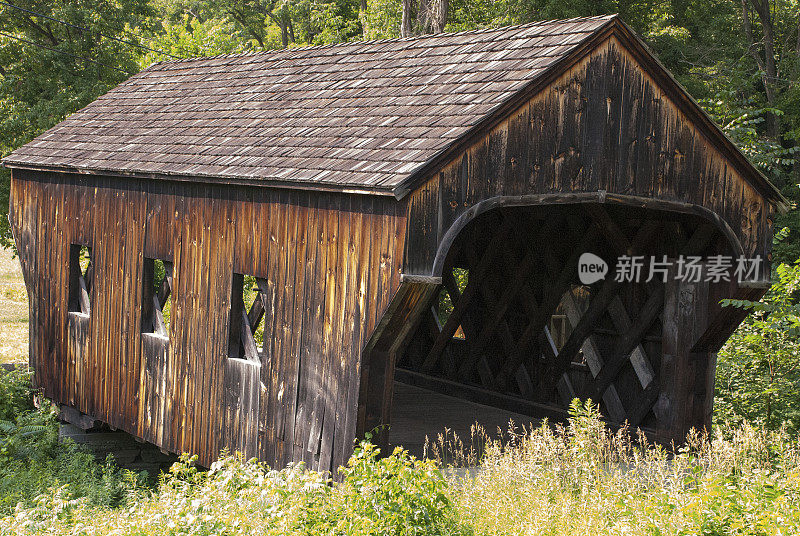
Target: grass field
[(13, 311)]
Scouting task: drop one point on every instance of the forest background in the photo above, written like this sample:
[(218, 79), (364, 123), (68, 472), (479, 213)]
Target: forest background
[(739, 58)]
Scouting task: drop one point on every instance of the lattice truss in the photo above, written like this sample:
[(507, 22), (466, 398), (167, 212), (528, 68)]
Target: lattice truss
[(81, 274), (157, 285), (248, 307), (522, 325)]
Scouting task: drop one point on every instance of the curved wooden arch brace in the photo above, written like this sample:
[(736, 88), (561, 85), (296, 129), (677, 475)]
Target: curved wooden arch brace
[(600, 196)]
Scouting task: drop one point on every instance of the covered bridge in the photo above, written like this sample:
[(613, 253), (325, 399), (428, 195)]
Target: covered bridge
[(408, 210)]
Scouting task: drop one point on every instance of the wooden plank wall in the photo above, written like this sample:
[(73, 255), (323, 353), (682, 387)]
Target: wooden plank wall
[(331, 262), (604, 125)]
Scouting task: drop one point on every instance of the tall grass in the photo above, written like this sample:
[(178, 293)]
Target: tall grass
[(583, 479), (578, 478)]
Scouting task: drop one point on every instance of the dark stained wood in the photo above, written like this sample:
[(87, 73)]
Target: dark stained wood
[(629, 340), (725, 319), (545, 310), (566, 159), (503, 301), (179, 389), (454, 320), (390, 338), (681, 369)]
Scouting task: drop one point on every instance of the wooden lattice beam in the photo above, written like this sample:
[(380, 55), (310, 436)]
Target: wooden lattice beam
[(434, 328), (594, 359), (628, 348), (166, 284), (638, 357), (543, 344), (468, 326), (508, 291), (601, 300), (627, 342), (88, 275), (247, 341), (549, 303), (461, 306), (83, 295)]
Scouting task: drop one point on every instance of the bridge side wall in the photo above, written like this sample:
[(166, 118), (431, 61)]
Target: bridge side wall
[(330, 264)]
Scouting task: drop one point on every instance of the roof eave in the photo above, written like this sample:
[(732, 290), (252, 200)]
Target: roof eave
[(265, 182)]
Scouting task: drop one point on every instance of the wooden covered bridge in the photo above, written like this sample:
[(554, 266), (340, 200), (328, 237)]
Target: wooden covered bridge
[(409, 210)]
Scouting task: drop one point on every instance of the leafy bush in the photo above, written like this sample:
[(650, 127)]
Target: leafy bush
[(16, 394), (33, 461), (758, 369), (579, 478), (395, 495)]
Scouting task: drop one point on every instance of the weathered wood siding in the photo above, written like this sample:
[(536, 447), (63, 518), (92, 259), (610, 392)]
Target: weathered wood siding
[(332, 263), (605, 124)]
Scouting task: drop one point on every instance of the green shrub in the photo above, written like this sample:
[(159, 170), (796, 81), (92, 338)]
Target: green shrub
[(396, 494), (16, 393), (580, 478), (758, 369), (577, 478), (33, 461)]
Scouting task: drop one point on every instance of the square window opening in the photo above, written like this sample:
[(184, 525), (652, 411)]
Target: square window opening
[(157, 296), (248, 308), (81, 270)]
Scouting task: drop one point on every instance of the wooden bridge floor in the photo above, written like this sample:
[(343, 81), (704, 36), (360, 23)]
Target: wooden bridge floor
[(417, 413)]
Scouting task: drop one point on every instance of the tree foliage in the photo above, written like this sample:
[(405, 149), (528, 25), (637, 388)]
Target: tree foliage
[(758, 370), (79, 54), (739, 58)]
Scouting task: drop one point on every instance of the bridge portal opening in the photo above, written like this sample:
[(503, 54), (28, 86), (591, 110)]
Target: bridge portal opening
[(516, 331)]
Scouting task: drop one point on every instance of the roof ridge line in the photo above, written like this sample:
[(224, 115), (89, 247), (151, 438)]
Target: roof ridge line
[(381, 41), (500, 109)]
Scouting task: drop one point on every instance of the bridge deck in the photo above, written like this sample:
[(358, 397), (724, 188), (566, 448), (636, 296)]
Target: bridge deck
[(417, 413)]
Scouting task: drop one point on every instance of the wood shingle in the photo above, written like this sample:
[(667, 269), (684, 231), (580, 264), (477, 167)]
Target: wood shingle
[(363, 115)]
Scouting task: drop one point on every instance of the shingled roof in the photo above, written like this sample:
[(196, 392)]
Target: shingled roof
[(355, 115), (359, 116)]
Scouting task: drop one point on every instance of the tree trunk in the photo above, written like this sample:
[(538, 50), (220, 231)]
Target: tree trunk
[(242, 19), (432, 16), (797, 47), (405, 23), (766, 63)]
